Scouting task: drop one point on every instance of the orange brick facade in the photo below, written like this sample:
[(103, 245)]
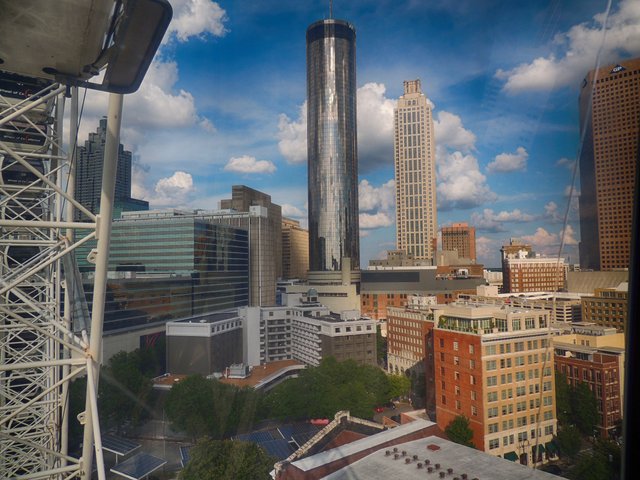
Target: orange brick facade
[(458, 382)]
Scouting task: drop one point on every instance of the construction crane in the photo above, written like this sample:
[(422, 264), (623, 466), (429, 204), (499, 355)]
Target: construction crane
[(48, 52)]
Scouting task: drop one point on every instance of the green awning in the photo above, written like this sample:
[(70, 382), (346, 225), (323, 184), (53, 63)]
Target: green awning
[(540, 449), (551, 447), (513, 456)]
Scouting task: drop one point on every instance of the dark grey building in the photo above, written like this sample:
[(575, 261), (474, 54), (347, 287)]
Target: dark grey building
[(88, 184), (205, 344), (332, 145)]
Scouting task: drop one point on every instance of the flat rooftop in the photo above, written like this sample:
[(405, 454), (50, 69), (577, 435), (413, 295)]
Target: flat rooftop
[(460, 459), (208, 317), (259, 373)]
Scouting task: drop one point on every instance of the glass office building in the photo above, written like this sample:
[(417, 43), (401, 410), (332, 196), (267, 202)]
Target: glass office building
[(170, 267), (332, 145)]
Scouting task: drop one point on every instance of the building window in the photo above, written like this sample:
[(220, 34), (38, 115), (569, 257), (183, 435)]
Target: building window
[(455, 345), (494, 443), (491, 365), (474, 410)]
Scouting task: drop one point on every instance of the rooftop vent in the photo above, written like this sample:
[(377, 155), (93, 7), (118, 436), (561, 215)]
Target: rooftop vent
[(427, 461), (442, 474), (387, 452), (407, 460), (430, 469), (437, 466), (449, 471), (419, 465), (415, 457), (396, 456)]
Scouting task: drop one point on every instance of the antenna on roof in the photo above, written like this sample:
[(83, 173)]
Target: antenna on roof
[(330, 9)]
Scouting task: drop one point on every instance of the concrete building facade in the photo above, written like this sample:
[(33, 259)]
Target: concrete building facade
[(534, 275), (607, 307), (609, 111), (204, 345), (263, 219), (415, 173)]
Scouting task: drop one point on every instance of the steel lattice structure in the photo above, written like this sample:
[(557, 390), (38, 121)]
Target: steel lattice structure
[(48, 50), (39, 354)]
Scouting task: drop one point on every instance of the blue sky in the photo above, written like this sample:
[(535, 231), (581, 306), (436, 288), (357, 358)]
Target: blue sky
[(223, 104)]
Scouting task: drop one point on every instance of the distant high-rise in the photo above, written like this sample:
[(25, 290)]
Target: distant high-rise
[(609, 112), (295, 249), (332, 145), (88, 182), (415, 171), (461, 238)]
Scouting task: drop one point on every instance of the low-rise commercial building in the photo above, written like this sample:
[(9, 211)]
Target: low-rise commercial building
[(392, 287), (205, 344), (607, 307), (594, 355)]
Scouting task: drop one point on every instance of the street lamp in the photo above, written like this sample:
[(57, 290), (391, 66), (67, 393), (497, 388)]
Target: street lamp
[(524, 448)]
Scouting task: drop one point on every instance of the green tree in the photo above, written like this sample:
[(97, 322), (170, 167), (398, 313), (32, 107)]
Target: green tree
[(584, 409), (611, 455), (320, 392), (400, 386), (569, 441), (590, 467), (190, 406), (124, 391), (227, 460), (563, 399), (459, 431)]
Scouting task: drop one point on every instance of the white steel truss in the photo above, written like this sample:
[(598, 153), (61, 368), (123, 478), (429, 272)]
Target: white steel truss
[(39, 353)]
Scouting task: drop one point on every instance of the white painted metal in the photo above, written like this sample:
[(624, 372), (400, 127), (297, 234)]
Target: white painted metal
[(36, 337)]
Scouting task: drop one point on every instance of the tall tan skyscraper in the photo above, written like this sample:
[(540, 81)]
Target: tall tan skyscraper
[(609, 112), (460, 237), (415, 159)]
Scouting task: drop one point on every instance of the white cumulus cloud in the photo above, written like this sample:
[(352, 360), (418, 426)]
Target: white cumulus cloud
[(291, 211), (490, 221), (248, 164), (292, 136), (548, 243), (377, 220), (196, 18), (575, 51), (460, 182), (173, 191), (450, 132), (509, 162), (372, 198)]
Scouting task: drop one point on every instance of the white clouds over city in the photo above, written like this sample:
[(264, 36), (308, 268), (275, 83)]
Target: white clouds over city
[(509, 162), (196, 18), (576, 51), (490, 221), (249, 165), (450, 132)]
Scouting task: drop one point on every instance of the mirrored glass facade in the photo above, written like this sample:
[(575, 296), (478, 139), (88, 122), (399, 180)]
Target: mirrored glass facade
[(170, 268), (332, 145)]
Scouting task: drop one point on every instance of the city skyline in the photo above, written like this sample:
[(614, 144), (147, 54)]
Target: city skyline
[(225, 96)]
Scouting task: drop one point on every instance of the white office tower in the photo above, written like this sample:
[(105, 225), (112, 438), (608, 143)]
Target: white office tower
[(415, 171)]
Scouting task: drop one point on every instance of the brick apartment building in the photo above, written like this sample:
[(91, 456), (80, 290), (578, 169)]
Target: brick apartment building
[(595, 355), (494, 365)]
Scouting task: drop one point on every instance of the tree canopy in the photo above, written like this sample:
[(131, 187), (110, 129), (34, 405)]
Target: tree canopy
[(569, 441), (576, 405), (320, 392), (227, 460), (459, 431), (202, 407)]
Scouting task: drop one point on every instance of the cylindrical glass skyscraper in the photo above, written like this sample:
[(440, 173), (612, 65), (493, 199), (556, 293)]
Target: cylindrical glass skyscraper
[(332, 145)]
